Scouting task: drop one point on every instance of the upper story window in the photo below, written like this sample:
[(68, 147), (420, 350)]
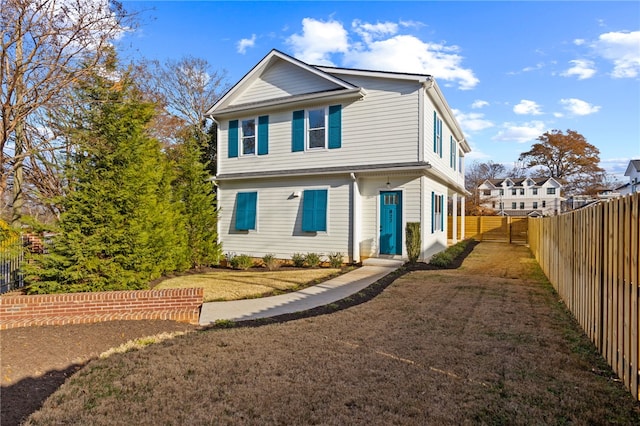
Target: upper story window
[(452, 153), (535, 191), (248, 137), (245, 138), (501, 191), (551, 191), (513, 205), (522, 191), (487, 192), (514, 191), (437, 134), (521, 206), (317, 128)]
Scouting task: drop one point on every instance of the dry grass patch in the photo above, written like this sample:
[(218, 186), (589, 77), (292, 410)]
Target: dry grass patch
[(477, 345), (235, 285)]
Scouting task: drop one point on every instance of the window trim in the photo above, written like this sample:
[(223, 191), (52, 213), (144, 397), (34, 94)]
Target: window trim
[(241, 136), (437, 134), (308, 129), (551, 191), (300, 129), (437, 215)]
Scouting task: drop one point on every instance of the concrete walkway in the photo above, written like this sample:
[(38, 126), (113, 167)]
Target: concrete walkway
[(322, 294)]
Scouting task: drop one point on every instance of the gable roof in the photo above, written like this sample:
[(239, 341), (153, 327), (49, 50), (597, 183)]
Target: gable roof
[(633, 164), (518, 182), (223, 105)]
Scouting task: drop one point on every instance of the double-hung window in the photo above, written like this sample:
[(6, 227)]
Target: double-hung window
[(551, 191), (514, 191), (437, 134), (535, 204), (521, 191), (535, 191), (513, 205), (246, 209), (314, 210), (452, 153), (501, 191), (521, 206), (317, 128), (437, 218), (249, 136)]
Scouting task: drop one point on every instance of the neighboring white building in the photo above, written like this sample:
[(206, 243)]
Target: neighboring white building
[(633, 171), (333, 160), (522, 196)]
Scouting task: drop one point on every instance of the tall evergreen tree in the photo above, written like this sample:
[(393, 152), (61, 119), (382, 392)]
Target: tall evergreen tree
[(194, 190), (120, 227)]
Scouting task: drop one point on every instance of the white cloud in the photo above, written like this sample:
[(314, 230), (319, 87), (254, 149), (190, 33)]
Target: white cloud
[(472, 122), (582, 68), (623, 49), (579, 107), (527, 107), (245, 43), (369, 32), (381, 47), (579, 41), (318, 41), (479, 104), (405, 53), (520, 133)]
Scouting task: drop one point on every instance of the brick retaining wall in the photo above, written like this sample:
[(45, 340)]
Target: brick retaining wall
[(177, 304)]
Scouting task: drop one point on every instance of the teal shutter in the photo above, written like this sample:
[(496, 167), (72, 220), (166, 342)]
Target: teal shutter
[(442, 213), (314, 210), (297, 131), (433, 212), (335, 126), (246, 210), (435, 132), (233, 139), (263, 135)]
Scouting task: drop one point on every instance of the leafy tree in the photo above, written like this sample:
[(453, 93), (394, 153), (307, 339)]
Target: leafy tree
[(120, 227), (194, 190), (45, 48), (569, 158)]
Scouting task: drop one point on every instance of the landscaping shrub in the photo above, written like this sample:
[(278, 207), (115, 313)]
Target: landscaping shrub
[(298, 260), (445, 258), (413, 241), (270, 262), (241, 261), (312, 260), (335, 260)]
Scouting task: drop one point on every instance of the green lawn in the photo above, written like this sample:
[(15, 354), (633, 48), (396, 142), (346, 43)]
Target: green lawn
[(235, 285)]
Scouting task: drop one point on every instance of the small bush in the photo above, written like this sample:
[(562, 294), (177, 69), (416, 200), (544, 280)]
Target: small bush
[(241, 261), (312, 260), (298, 260), (336, 260), (270, 262), (413, 241), (442, 259), (445, 258)]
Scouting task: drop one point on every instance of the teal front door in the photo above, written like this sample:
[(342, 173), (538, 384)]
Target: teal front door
[(390, 222)]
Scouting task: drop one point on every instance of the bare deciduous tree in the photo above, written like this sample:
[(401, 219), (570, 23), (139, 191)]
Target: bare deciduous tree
[(46, 47)]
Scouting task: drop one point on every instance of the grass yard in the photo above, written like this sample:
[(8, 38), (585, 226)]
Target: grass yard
[(488, 343), (222, 285)]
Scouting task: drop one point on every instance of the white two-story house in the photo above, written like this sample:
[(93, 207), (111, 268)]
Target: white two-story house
[(522, 196), (332, 160), (633, 172)]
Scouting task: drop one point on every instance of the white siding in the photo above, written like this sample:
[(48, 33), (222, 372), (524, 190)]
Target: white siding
[(432, 242), (381, 129), (279, 216), (283, 79)]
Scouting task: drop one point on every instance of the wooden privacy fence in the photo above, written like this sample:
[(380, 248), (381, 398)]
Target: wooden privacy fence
[(591, 258), (490, 228)]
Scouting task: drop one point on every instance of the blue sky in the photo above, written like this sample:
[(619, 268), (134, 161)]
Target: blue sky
[(509, 70)]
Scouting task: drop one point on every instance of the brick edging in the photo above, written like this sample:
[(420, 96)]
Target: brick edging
[(177, 304)]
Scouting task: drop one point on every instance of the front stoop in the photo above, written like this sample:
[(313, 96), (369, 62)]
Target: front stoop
[(382, 261)]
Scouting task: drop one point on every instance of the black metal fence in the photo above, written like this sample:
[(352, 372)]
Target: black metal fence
[(11, 258)]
